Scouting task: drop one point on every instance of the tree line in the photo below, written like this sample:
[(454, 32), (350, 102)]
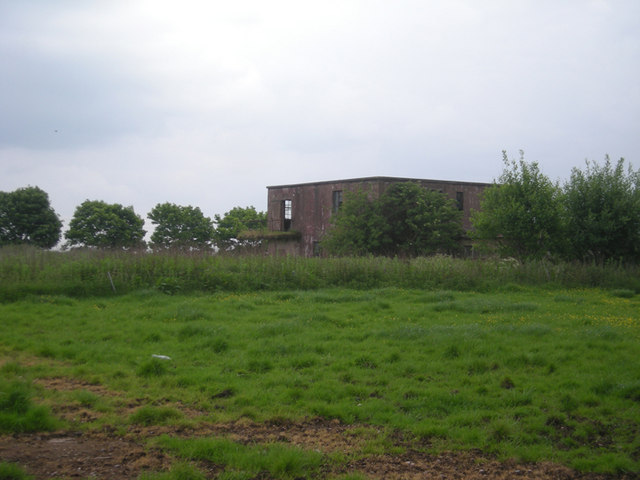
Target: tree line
[(594, 216), (26, 217)]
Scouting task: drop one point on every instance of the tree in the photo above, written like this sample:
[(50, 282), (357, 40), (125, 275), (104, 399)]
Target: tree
[(419, 221), (26, 217), (233, 223), (406, 220), (603, 211), (522, 213), (103, 225), (358, 227), (180, 228)]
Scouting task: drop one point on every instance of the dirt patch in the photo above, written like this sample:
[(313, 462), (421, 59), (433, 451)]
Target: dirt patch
[(108, 456), (68, 384), (72, 455), (111, 454)]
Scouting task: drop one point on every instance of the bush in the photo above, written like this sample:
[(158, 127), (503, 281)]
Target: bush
[(521, 214), (603, 212)]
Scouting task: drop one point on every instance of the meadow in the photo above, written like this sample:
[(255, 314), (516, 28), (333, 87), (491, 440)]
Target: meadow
[(514, 367)]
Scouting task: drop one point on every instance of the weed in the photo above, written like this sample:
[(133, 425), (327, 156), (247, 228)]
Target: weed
[(168, 285)]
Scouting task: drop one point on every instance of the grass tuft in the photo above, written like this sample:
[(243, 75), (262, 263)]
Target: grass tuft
[(18, 414), (153, 368), (149, 415), (11, 471), (279, 461)]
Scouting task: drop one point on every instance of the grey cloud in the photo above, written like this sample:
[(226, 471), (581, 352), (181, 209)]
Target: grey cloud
[(61, 102)]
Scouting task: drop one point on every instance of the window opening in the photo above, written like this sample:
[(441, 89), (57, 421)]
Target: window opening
[(286, 215), (337, 200), (460, 200)]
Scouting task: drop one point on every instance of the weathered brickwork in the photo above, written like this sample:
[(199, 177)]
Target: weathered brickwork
[(308, 207)]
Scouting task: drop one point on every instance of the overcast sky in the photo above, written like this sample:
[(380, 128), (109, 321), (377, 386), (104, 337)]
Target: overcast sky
[(205, 103)]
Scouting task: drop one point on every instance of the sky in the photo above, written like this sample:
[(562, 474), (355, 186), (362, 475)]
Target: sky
[(205, 103)]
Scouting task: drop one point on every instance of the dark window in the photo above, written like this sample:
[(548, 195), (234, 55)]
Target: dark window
[(286, 215), (337, 200), (316, 249), (460, 200)]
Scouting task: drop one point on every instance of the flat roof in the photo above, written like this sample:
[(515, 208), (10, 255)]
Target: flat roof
[(380, 179)]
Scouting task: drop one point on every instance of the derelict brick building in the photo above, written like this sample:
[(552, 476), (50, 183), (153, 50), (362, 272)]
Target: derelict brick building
[(305, 209)]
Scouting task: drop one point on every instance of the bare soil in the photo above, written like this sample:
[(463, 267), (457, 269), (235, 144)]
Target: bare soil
[(108, 454)]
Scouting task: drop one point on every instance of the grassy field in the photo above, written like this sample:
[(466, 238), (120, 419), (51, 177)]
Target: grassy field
[(533, 373)]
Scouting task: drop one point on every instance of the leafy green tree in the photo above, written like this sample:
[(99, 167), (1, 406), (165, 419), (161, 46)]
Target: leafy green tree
[(26, 217), (229, 227), (603, 211), (358, 227), (522, 213), (419, 221), (180, 228), (104, 225), (406, 220)]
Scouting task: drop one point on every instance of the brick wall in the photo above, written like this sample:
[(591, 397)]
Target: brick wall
[(312, 204)]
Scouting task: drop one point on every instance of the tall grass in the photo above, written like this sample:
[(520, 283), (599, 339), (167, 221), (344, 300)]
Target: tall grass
[(25, 271)]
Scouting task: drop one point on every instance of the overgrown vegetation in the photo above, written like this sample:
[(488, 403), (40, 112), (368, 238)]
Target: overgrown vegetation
[(29, 271), (406, 220), (594, 217), (522, 213)]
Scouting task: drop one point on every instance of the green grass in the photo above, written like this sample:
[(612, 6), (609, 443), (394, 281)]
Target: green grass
[(531, 373), (18, 413), (179, 471), (11, 471), (246, 461), (149, 415)]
